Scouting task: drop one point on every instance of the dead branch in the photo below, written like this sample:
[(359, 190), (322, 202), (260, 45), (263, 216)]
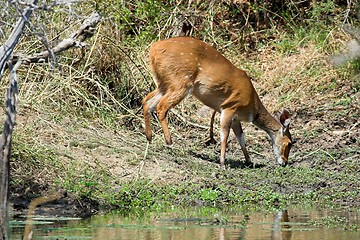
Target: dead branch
[(7, 49), (5, 149), (11, 101), (76, 39)]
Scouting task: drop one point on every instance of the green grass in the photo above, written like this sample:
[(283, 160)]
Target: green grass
[(268, 188)]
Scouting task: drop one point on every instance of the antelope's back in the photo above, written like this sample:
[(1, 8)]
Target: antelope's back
[(187, 56), (188, 63)]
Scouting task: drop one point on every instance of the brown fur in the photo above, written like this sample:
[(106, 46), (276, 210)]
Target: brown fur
[(185, 66)]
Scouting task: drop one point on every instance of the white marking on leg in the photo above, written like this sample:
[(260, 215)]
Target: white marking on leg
[(277, 153), (189, 91), (221, 135), (152, 102), (251, 117), (221, 132), (276, 148)]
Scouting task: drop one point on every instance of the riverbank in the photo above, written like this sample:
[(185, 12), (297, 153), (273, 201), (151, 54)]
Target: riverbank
[(103, 168)]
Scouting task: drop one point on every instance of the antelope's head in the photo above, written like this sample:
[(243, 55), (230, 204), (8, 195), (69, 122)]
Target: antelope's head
[(282, 141)]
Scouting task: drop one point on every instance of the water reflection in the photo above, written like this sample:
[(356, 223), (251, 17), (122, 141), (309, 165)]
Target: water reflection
[(238, 231), (281, 230), (195, 224)]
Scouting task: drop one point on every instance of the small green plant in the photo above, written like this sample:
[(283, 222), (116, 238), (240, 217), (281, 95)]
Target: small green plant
[(208, 195), (80, 186), (139, 195)]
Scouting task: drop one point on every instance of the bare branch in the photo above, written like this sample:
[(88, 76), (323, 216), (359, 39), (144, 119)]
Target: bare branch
[(76, 39), (11, 101), (8, 47), (5, 149), (86, 30)]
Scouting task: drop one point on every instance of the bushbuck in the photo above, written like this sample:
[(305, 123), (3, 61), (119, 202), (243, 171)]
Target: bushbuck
[(184, 66)]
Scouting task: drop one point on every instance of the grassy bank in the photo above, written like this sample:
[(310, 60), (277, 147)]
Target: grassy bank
[(111, 169), (79, 126)]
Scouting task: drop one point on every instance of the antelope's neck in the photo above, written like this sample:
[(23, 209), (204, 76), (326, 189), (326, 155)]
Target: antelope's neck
[(266, 121)]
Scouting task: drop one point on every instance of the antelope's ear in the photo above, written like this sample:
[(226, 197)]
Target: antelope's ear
[(285, 119)]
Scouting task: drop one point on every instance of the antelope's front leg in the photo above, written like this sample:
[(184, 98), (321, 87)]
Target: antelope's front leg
[(236, 126), (225, 123)]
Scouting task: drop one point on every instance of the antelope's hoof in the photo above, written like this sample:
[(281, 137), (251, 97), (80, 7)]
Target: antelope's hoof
[(211, 141)]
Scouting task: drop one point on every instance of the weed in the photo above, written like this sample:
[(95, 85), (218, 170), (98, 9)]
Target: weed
[(208, 195)]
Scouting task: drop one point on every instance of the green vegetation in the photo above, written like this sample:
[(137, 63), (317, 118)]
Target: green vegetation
[(79, 125), (335, 221)]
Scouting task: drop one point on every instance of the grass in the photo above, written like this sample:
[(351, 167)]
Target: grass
[(79, 127), (83, 165), (282, 189)]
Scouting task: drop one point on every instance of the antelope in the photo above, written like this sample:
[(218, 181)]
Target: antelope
[(183, 66)]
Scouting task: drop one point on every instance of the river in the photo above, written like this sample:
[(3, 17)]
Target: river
[(200, 223)]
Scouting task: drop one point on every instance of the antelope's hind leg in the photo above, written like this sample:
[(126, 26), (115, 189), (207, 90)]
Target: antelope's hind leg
[(211, 139), (149, 103), (168, 101)]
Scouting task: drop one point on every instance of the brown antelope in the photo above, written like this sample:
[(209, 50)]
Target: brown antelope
[(184, 66)]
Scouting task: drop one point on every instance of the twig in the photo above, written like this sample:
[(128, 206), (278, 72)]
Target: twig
[(141, 165), (321, 151), (146, 150), (348, 8)]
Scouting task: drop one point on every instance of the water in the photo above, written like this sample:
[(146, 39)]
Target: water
[(201, 223)]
